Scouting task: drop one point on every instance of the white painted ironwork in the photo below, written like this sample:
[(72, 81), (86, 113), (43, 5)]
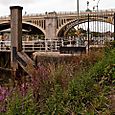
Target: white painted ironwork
[(52, 45)]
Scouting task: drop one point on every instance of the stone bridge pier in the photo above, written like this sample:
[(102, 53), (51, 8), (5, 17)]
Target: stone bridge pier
[(51, 26)]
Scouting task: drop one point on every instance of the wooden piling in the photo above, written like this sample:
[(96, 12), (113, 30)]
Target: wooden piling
[(16, 34)]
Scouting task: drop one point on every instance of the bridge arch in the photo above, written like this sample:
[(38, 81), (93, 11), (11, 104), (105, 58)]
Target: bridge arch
[(25, 25), (64, 29), (4, 25), (28, 26)]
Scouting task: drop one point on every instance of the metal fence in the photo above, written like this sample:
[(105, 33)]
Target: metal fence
[(49, 45)]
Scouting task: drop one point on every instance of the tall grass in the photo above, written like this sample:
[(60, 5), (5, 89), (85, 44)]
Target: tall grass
[(64, 86)]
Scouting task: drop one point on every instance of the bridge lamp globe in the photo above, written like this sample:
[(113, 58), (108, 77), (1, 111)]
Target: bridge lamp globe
[(87, 4), (97, 4), (93, 8)]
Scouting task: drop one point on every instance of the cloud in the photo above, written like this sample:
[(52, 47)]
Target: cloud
[(8, 2), (51, 5), (41, 6), (4, 2)]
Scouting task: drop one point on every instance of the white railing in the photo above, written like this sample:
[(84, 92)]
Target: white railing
[(5, 45), (29, 46), (51, 45)]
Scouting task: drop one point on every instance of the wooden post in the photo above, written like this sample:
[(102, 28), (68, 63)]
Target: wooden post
[(16, 34)]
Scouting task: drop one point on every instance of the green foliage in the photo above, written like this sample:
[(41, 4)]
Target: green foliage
[(87, 92), (55, 101), (20, 105), (77, 86)]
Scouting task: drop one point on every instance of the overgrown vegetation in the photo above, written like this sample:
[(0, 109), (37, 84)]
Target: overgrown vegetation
[(76, 85)]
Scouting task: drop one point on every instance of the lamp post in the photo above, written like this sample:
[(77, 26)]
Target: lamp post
[(87, 5), (97, 6), (78, 11)]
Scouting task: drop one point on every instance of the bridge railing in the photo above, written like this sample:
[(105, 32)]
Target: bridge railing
[(5, 45), (53, 45), (31, 46), (63, 13)]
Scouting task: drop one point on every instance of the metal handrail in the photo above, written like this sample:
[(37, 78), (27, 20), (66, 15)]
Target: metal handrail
[(48, 45)]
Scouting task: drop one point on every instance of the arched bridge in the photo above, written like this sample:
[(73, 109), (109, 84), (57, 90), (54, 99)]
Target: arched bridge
[(53, 25)]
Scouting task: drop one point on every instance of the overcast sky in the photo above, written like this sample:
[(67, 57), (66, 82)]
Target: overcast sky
[(41, 6)]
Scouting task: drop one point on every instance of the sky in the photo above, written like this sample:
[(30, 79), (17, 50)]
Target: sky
[(42, 6)]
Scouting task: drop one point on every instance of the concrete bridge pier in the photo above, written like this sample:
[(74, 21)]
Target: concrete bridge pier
[(51, 25)]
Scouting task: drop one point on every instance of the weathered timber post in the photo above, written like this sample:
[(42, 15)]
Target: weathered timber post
[(17, 55), (16, 34)]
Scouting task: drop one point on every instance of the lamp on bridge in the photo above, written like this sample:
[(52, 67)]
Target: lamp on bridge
[(78, 12), (97, 5), (88, 10)]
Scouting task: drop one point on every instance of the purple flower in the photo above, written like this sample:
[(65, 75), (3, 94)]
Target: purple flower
[(23, 88), (3, 93), (2, 97)]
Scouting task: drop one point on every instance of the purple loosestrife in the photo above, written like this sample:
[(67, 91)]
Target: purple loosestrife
[(23, 88), (4, 92)]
